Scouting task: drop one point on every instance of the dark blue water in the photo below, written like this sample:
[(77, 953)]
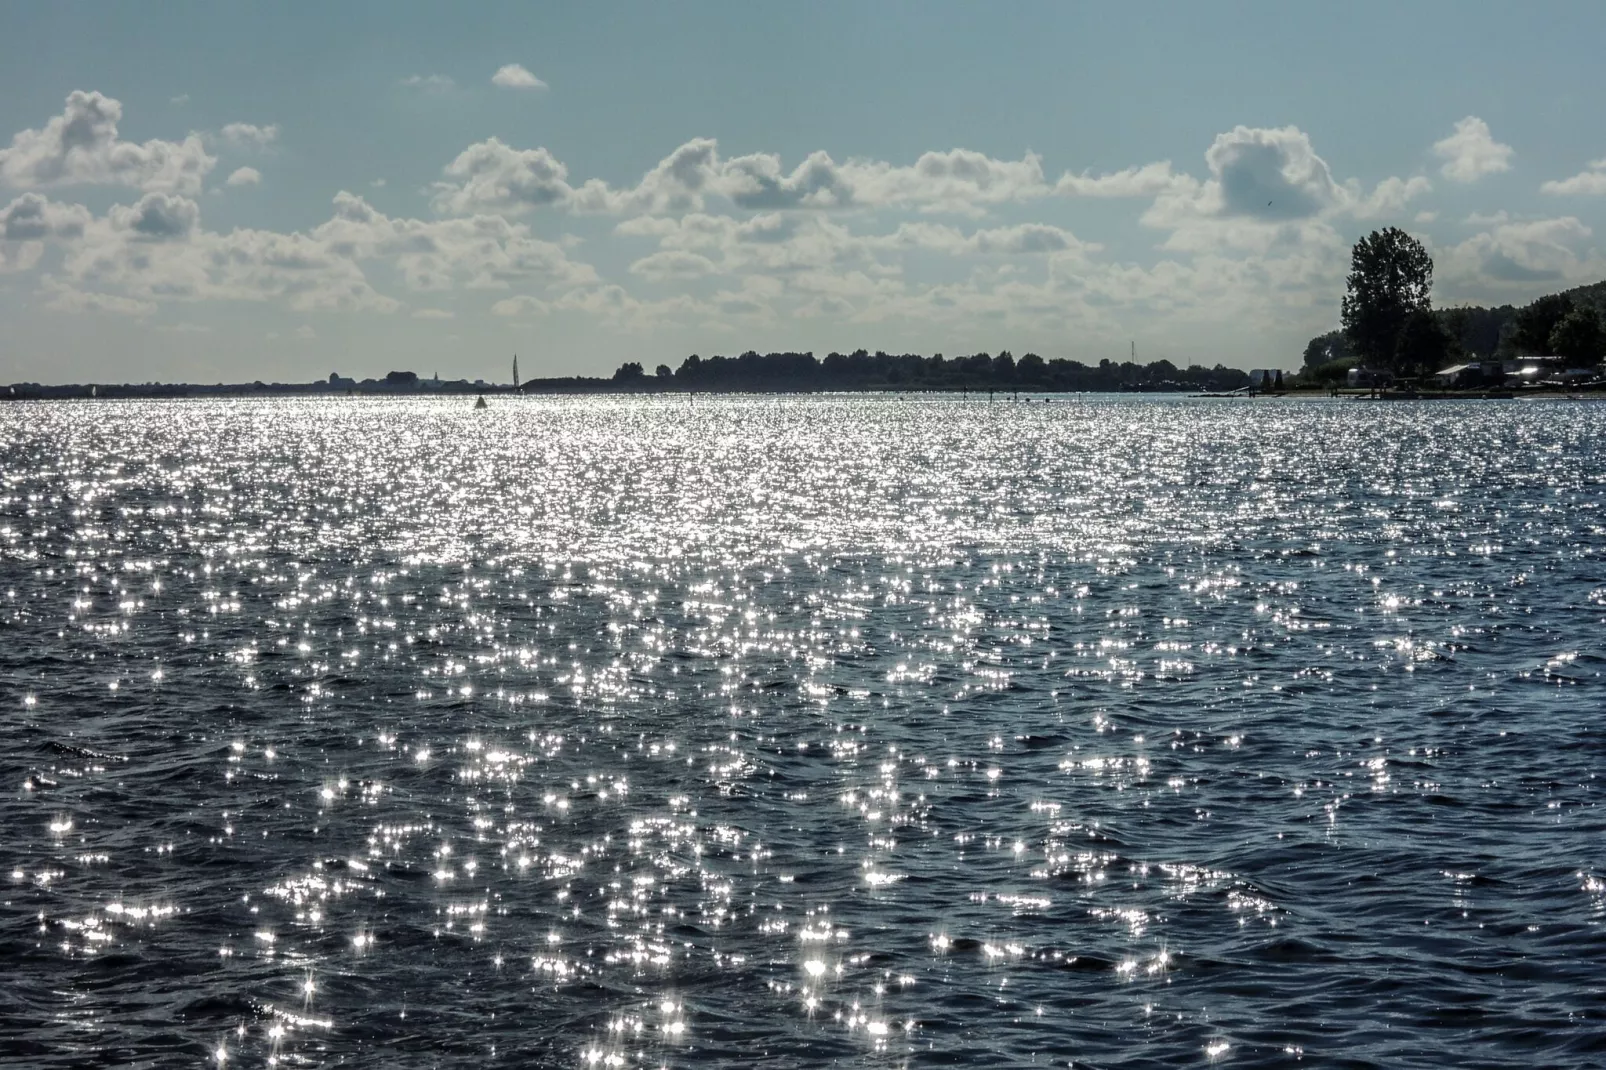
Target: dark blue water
[(781, 732)]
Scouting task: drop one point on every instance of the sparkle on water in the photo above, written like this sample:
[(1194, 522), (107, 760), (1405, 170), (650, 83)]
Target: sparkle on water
[(783, 731)]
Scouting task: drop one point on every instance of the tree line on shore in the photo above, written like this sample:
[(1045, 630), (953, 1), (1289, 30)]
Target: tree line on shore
[(862, 370), (1389, 323)]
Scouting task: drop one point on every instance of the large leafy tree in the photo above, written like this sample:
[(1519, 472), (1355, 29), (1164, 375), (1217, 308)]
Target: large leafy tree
[(1579, 337), (1390, 279), (1423, 345)]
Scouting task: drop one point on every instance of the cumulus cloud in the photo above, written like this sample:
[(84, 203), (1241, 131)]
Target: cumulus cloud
[(244, 176), (1589, 182), (1472, 152), (434, 314), (1145, 181), (1024, 239), (249, 136), (156, 250), (157, 217), (677, 184), (491, 176), (1516, 255), (1268, 191), (477, 252), (1270, 173), (81, 147), (32, 217), (1389, 198), (513, 76), (959, 181)]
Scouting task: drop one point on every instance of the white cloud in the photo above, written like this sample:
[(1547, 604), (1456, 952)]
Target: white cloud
[(677, 184), (1275, 166), (81, 147), (493, 177), (1590, 182), (513, 76), (434, 314), (157, 217), (1389, 198), (305, 333), (244, 176), (1472, 152), (1145, 181), (249, 136), (958, 181), (1259, 178), (429, 83), (1518, 257), (476, 252), (1270, 194), (32, 217), (1020, 240), (156, 250)]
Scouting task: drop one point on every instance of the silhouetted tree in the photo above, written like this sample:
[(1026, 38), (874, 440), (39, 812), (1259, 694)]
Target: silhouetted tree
[(401, 378), (1579, 337), (663, 371), (1326, 348), (1031, 369), (628, 373), (1391, 277), (1423, 345), (1536, 322)]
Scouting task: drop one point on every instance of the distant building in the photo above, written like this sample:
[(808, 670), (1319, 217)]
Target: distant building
[(340, 382)]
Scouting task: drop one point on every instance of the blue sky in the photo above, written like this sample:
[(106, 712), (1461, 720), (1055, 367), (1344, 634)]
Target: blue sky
[(224, 192)]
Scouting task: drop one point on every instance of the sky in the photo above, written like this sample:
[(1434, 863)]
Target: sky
[(204, 192)]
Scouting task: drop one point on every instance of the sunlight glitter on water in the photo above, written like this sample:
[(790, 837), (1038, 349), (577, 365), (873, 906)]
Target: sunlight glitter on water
[(638, 732)]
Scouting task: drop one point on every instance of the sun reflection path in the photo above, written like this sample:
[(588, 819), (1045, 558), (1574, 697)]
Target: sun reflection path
[(638, 732)]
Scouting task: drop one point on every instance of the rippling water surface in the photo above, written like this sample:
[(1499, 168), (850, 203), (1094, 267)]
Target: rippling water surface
[(775, 732)]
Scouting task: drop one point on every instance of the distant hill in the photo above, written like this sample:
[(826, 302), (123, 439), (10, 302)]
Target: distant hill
[(1593, 295)]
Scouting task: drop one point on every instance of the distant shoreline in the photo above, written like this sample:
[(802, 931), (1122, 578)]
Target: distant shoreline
[(651, 386), (462, 388)]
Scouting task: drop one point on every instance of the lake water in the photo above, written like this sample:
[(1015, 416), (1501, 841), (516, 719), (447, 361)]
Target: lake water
[(772, 732)]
